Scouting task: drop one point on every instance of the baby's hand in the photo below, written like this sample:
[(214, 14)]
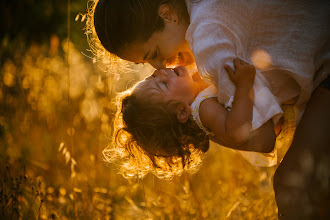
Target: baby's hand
[(243, 75)]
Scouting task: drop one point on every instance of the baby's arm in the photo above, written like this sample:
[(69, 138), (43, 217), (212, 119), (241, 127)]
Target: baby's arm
[(261, 139), (233, 128)]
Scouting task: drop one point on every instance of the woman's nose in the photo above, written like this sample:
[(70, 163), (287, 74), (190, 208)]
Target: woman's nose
[(158, 64)]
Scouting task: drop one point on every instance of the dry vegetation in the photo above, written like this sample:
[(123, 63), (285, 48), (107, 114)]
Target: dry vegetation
[(52, 132), (54, 123)]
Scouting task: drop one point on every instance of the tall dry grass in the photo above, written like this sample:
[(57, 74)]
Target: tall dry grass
[(52, 136)]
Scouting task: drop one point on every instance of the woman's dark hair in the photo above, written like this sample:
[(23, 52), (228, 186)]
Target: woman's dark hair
[(144, 129), (121, 22)]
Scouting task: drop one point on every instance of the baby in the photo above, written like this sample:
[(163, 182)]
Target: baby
[(171, 111)]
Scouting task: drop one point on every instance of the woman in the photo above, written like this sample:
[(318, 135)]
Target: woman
[(218, 32)]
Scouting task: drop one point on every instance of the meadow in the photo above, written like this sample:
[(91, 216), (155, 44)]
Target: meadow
[(56, 112)]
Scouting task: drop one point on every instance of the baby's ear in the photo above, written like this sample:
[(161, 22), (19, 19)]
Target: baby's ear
[(183, 112)]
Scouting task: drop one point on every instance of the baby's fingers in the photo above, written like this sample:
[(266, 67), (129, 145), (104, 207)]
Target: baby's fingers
[(239, 62), (236, 62), (230, 72)]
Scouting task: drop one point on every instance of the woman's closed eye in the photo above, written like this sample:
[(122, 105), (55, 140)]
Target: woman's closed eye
[(165, 83), (154, 55)]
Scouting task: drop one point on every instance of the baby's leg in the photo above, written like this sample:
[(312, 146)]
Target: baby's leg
[(301, 182)]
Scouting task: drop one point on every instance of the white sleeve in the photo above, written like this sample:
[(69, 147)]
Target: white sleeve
[(215, 45)]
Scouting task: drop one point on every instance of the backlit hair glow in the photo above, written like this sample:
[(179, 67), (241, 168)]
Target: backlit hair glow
[(137, 160)]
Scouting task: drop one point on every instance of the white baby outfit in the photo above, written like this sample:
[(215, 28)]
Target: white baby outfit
[(209, 92)]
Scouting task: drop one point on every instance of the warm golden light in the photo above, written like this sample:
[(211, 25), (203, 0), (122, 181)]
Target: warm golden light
[(58, 160), (261, 59), (9, 79)]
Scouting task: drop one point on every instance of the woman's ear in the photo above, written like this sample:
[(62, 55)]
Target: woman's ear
[(167, 13), (183, 112)]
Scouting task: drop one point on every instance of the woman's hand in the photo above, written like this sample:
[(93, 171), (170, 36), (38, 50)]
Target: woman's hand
[(243, 75)]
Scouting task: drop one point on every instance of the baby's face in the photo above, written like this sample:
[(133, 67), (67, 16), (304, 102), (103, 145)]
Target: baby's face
[(168, 86)]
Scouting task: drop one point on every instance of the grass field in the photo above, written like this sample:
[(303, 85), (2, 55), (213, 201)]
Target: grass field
[(54, 125)]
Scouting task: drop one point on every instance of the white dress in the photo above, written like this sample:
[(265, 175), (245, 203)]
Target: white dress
[(273, 158), (290, 37)]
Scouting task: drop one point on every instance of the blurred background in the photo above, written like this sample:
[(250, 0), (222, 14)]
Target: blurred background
[(56, 111)]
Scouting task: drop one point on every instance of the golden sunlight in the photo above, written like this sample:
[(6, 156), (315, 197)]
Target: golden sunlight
[(261, 59)]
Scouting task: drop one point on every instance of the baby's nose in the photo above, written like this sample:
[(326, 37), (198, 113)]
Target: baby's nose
[(163, 72)]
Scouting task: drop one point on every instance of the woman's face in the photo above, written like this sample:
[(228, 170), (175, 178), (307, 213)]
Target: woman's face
[(163, 48)]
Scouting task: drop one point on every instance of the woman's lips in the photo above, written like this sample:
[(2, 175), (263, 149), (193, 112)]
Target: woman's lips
[(172, 61), (180, 59), (185, 59)]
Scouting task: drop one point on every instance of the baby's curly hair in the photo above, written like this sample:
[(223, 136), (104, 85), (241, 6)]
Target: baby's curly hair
[(149, 138)]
